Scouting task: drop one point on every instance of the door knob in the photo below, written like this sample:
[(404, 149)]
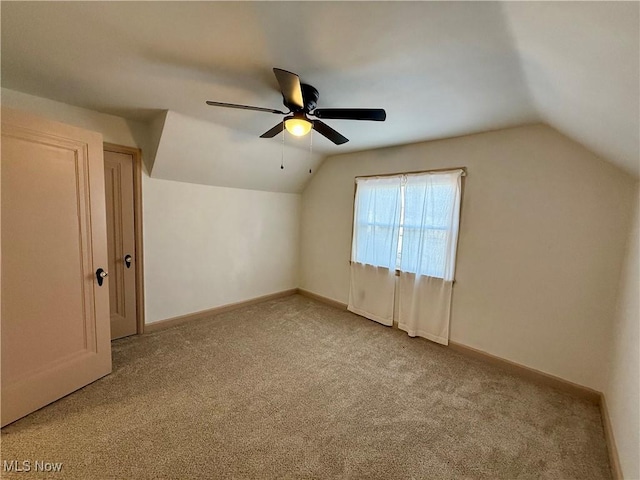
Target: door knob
[(100, 276), (127, 260)]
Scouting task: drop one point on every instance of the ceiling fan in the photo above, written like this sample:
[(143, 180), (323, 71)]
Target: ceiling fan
[(301, 100)]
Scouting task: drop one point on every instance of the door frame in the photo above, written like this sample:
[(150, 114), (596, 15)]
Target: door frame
[(136, 154)]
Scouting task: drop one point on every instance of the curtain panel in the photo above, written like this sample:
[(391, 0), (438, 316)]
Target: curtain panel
[(376, 227), (374, 248), (409, 224), (424, 306), (371, 292)]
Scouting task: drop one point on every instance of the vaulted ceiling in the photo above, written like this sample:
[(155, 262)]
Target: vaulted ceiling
[(440, 69)]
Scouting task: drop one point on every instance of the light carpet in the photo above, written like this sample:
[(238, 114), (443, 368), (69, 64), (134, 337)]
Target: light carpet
[(292, 388)]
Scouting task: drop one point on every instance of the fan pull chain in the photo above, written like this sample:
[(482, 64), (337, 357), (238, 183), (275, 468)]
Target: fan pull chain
[(310, 147), (282, 159)]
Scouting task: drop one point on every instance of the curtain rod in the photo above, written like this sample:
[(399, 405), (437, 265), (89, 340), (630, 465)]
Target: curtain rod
[(464, 172)]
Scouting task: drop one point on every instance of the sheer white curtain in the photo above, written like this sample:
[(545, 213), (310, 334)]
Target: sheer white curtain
[(429, 237), (376, 231), (377, 212), (406, 223)]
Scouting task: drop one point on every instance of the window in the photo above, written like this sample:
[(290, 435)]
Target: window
[(408, 222)]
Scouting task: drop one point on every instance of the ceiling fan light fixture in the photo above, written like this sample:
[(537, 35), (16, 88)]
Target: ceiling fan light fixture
[(297, 126), (301, 100)]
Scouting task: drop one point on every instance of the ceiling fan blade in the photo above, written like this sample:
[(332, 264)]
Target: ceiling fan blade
[(375, 114), (290, 87), (243, 107), (324, 129), (274, 131)]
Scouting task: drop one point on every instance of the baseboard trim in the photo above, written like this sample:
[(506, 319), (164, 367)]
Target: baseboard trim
[(614, 458), (320, 298), (529, 373), (175, 321)]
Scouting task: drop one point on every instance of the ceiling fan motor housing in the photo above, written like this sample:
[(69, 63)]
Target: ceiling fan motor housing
[(310, 96)]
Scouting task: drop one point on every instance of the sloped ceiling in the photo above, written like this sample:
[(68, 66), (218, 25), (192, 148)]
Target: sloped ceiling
[(440, 69), (580, 62)]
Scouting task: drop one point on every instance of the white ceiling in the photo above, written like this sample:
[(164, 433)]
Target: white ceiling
[(440, 69)]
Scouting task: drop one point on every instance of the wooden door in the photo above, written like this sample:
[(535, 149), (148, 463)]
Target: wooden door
[(55, 317), (121, 242)]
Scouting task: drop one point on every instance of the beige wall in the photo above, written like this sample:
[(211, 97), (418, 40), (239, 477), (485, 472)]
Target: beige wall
[(542, 236), (208, 246), (114, 129), (622, 390), (203, 246)]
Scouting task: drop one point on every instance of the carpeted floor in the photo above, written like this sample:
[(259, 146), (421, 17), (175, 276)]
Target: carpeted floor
[(292, 388)]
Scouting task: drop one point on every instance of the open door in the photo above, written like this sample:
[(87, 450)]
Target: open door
[(55, 314), (121, 166)]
